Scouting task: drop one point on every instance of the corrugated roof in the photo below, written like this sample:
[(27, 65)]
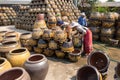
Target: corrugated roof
[(15, 1), (109, 4)]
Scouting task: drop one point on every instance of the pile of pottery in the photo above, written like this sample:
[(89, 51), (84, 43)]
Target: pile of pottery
[(64, 10), (118, 30), (7, 16)]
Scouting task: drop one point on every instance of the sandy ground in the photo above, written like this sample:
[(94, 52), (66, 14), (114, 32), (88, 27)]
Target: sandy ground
[(65, 70)]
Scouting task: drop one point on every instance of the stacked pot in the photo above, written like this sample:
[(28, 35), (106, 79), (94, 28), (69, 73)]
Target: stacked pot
[(63, 9), (95, 24), (7, 16), (108, 26), (118, 30)]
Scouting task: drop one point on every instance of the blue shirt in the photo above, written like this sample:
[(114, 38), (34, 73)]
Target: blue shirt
[(82, 21)]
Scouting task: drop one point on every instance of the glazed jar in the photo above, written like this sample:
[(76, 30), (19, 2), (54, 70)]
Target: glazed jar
[(60, 36), (53, 45), (4, 65), (75, 55), (67, 46), (48, 34), (88, 73), (42, 43), (18, 56), (19, 74), (9, 45), (38, 50), (60, 54), (37, 66), (24, 38), (37, 33), (48, 52), (100, 60)]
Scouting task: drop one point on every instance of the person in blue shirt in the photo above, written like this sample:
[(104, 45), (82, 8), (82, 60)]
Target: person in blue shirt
[(82, 20)]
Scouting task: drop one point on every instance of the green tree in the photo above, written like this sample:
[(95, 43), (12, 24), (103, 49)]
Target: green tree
[(110, 0)]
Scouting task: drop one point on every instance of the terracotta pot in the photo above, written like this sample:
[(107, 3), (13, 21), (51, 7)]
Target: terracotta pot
[(60, 54), (4, 65), (100, 60), (38, 50), (109, 16), (75, 55), (48, 52), (30, 48), (95, 29), (37, 66), (67, 46), (48, 34), (37, 33), (95, 15), (107, 31), (42, 43), (9, 45), (60, 36), (88, 73), (19, 74), (12, 33), (17, 57), (53, 45), (32, 42)]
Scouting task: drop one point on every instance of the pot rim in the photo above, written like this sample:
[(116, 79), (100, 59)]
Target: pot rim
[(94, 68), (32, 62), (103, 53), (18, 49), (15, 68), (76, 54), (3, 62)]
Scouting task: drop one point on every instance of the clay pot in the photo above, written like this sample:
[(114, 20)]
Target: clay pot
[(42, 43), (2, 33), (37, 33), (19, 74), (95, 29), (48, 52), (107, 31), (30, 48), (4, 65), (100, 60), (51, 22), (60, 36), (32, 42), (109, 16), (48, 34), (9, 45), (37, 66), (38, 50), (11, 38), (95, 15), (53, 45), (108, 24), (117, 70), (17, 57), (88, 73), (60, 54), (12, 33), (75, 55), (67, 46)]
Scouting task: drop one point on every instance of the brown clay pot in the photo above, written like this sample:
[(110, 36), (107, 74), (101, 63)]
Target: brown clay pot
[(48, 52), (38, 50), (37, 66), (100, 60), (48, 34), (19, 74), (53, 45), (67, 46), (9, 45), (95, 15), (29, 48), (75, 55), (4, 65), (88, 73), (95, 37), (42, 43), (18, 56), (37, 33), (60, 54)]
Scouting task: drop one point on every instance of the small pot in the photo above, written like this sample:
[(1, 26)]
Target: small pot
[(48, 52), (48, 34), (17, 57), (19, 74), (30, 48), (37, 33), (12, 33), (4, 65), (37, 66), (53, 45), (38, 50), (2, 33), (42, 43), (60, 54)]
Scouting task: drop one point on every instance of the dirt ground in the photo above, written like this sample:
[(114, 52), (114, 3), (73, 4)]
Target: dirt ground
[(62, 69)]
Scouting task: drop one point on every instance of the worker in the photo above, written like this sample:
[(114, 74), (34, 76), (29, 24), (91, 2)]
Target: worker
[(87, 37), (82, 19)]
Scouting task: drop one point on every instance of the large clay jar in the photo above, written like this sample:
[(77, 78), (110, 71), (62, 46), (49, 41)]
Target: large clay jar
[(48, 52), (38, 50), (100, 60), (17, 57), (53, 45), (67, 46), (15, 73), (75, 55), (9, 45), (88, 73), (37, 66), (48, 34), (42, 43), (24, 38), (60, 36), (51, 22), (4, 65), (37, 33), (60, 54)]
